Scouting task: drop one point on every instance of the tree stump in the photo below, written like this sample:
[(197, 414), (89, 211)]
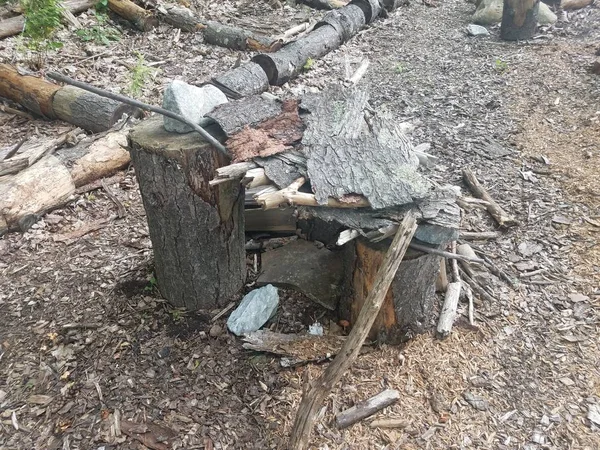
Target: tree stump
[(197, 230), (519, 19), (409, 301)]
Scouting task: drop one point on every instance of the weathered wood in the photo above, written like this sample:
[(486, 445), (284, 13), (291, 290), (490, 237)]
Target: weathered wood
[(197, 231), (346, 21), (502, 217), (366, 408), (89, 111), (143, 20), (234, 116), (324, 4), (180, 17), (409, 301), (33, 93), (239, 39), (370, 8), (318, 389), (298, 346), (15, 25), (286, 63), (479, 235), (441, 283), (448, 313), (243, 81), (519, 19), (33, 191)]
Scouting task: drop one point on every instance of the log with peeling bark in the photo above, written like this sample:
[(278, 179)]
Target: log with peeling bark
[(197, 231), (366, 408), (324, 4), (142, 19), (243, 81), (239, 39), (502, 217), (15, 25), (318, 389), (73, 105), (519, 19)]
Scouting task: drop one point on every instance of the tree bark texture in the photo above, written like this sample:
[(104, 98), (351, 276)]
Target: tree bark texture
[(519, 19), (14, 25), (180, 17), (347, 21), (371, 8), (142, 19), (197, 230), (33, 93), (243, 81), (319, 388), (88, 110), (238, 39), (409, 301)]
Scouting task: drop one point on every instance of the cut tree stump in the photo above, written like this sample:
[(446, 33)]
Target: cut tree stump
[(197, 230), (519, 19), (409, 301)]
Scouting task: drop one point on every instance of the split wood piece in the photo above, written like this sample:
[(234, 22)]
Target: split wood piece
[(32, 152), (73, 105), (448, 255), (142, 19), (390, 423), (366, 408), (360, 72), (15, 25), (239, 39), (519, 19), (499, 215), (319, 389), (571, 5), (448, 313), (479, 235), (236, 170), (243, 81), (255, 178), (197, 231), (324, 4), (50, 182)]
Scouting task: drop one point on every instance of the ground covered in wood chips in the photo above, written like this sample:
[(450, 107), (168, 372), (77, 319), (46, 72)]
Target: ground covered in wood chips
[(85, 339)]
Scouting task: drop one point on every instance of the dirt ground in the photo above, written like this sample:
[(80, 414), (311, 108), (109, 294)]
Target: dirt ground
[(85, 338)]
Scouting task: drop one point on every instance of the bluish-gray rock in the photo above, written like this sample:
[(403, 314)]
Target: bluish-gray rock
[(254, 310), (477, 30), (191, 102)]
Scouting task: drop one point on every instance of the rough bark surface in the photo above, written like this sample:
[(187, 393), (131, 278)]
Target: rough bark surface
[(282, 169), (197, 231), (366, 408), (243, 81), (287, 62), (232, 117), (31, 92), (519, 19), (180, 17), (347, 21), (239, 39), (370, 8), (88, 110)]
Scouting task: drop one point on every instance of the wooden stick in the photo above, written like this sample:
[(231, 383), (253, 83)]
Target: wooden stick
[(360, 72), (448, 255), (499, 215), (469, 294), (481, 292), (366, 408), (318, 389), (476, 235), (448, 313)]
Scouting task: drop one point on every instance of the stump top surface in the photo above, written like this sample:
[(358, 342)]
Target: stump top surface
[(151, 136)]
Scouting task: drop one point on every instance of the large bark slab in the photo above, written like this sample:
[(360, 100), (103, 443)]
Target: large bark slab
[(197, 230)]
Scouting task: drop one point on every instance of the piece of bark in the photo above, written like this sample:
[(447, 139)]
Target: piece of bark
[(196, 230), (571, 5), (390, 423), (366, 408), (73, 236), (519, 19), (14, 25), (318, 389), (284, 168), (448, 313), (152, 435), (499, 215), (243, 81), (33, 191), (239, 39), (286, 63), (142, 19), (479, 235), (89, 111), (33, 93), (234, 116)]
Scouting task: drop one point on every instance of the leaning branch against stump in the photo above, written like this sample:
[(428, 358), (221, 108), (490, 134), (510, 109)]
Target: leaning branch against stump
[(366, 408), (502, 217), (319, 389), (448, 313)]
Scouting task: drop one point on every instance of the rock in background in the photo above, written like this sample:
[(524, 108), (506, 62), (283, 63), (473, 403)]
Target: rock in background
[(489, 12)]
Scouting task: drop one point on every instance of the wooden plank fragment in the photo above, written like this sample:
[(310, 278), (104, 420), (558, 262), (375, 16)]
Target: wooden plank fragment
[(366, 408)]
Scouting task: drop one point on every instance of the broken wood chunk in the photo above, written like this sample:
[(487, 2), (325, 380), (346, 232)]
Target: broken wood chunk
[(366, 408), (243, 81), (233, 116), (448, 313)]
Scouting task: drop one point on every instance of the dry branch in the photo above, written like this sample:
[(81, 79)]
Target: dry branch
[(138, 16), (319, 388), (501, 216), (366, 408)]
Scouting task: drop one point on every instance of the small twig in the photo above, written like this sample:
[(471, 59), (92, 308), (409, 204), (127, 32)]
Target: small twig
[(12, 150), (360, 71), (121, 98), (16, 112), (223, 312), (481, 292), (115, 200), (81, 326), (452, 256), (469, 294)]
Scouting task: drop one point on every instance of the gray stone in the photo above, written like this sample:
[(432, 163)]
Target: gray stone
[(489, 12), (255, 309), (300, 265), (191, 102), (477, 30)]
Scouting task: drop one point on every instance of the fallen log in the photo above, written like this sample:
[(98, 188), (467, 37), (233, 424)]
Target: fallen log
[(324, 4), (318, 389), (33, 93), (502, 217), (243, 81), (239, 39), (142, 19), (366, 408), (180, 17), (15, 25)]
